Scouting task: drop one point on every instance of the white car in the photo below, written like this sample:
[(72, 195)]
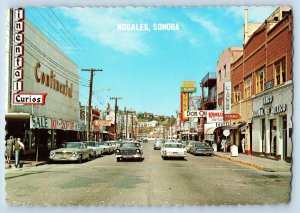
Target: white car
[(171, 149), (97, 150)]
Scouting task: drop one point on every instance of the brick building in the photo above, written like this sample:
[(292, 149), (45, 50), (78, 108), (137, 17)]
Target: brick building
[(265, 87)]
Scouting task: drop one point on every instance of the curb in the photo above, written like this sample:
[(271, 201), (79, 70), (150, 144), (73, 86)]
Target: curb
[(253, 165), (26, 164)]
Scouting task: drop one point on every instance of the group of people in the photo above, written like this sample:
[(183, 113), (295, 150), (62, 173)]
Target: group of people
[(225, 144), (13, 145)]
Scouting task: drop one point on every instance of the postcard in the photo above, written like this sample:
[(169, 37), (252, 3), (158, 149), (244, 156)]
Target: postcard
[(140, 106)]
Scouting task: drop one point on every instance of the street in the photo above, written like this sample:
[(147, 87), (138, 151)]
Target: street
[(197, 180)]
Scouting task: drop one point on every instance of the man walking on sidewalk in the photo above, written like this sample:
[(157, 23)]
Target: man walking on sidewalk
[(18, 146), (243, 145)]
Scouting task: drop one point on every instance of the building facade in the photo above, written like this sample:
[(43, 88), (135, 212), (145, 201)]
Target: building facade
[(263, 75), (46, 70)]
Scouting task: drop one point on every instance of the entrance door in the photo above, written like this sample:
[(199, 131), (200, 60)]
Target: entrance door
[(263, 135), (273, 137), (284, 137)]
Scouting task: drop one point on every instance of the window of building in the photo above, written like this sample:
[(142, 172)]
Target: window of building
[(224, 70), (219, 75), (260, 80), (248, 87), (280, 72), (236, 94)]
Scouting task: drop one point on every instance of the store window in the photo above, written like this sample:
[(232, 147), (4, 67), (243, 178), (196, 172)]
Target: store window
[(280, 72), (260, 80), (248, 87), (237, 94)]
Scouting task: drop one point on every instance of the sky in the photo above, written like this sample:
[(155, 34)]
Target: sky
[(144, 68)]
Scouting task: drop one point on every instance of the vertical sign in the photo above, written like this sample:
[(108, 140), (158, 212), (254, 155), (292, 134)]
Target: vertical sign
[(18, 51), (184, 105), (227, 97)]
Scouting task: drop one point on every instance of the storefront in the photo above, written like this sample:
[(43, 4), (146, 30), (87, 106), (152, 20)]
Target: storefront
[(45, 69), (272, 123)]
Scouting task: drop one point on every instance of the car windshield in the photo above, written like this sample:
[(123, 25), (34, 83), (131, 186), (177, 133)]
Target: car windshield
[(130, 145), (105, 143), (204, 145), (173, 145), (73, 145), (90, 144), (113, 143)]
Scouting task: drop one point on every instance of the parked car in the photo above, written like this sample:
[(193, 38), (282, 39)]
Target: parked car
[(113, 144), (129, 150), (200, 148), (189, 145), (95, 147), (172, 149), (107, 147), (71, 151), (158, 143)]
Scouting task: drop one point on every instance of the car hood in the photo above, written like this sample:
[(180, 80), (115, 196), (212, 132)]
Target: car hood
[(66, 150)]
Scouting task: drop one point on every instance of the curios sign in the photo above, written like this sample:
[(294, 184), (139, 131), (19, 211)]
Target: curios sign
[(18, 96)]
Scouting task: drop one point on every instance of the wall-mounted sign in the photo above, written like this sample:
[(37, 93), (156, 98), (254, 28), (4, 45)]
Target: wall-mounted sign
[(184, 105), (189, 89), (188, 83), (231, 116), (227, 97), (195, 113), (269, 84), (41, 122), (18, 97), (98, 124), (270, 109), (214, 116)]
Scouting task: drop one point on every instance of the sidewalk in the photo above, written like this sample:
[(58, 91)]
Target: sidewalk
[(24, 164), (259, 163)]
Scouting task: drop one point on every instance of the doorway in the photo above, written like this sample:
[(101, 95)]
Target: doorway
[(284, 137), (273, 137)]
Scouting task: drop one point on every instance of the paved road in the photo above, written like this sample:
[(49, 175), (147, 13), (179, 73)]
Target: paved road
[(198, 180)]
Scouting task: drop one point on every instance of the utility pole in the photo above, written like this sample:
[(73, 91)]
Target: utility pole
[(129, 111), (116, 111), (92, 70)]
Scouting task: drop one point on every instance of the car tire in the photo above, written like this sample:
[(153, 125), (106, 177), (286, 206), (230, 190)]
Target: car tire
[(163, 157), (118, 159), (80, 159)]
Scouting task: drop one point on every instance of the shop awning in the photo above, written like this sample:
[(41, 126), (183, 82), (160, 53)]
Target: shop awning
[(106, 132), (235, 126), (17, 116), (210, 131), (191, 133)]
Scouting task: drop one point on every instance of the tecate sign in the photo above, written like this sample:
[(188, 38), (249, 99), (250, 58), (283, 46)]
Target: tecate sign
[(214, 116)]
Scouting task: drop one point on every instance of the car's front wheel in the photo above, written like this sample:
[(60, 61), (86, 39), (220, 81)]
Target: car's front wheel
[(80, 159), (118, 159)]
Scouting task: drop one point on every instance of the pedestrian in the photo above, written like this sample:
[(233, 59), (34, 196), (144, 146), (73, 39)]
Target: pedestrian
[(17, 147), (9, 148), (223, 144), (243, 145)]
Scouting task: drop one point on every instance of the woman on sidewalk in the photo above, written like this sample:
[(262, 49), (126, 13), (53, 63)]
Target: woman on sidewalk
[(9, 148)]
